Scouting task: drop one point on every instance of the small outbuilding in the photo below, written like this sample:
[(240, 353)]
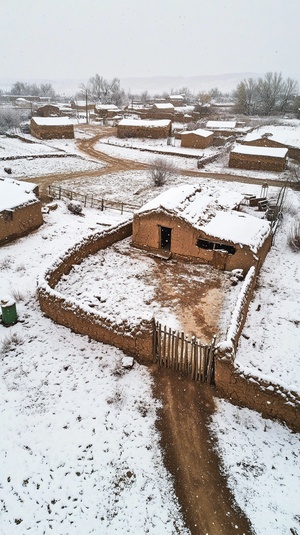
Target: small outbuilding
[(204, 225), (197, 139), (142, 128), (222, 128), (258, 158), (20, 209), (51, 128)]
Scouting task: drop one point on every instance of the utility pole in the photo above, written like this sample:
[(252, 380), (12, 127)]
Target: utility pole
[(86, 107)]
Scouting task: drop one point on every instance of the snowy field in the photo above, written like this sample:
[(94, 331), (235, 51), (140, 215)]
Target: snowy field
[(14, 147), (79, 450), (269, 345), (128, 150)]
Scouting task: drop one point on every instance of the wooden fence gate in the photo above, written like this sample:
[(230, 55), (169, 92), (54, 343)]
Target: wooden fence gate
[(177, 351)]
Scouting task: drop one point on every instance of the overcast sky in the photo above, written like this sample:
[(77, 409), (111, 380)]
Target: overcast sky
[(136, 38)]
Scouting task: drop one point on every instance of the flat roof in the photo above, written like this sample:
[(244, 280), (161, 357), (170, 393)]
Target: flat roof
[(140, 122), (221, 124), (52, 121), (253, 150), (14, 193), (198, 132)]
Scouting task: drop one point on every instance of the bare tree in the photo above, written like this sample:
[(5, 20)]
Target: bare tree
[(160, 170), (9, 120)]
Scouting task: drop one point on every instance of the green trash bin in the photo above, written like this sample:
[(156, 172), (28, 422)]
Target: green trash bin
[(9, 311)]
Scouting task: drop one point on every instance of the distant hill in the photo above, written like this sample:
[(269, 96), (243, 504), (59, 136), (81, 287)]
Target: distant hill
[(155, 84)]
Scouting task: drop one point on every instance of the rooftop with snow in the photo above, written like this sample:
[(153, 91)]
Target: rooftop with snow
[(14, 193), (215, 212)]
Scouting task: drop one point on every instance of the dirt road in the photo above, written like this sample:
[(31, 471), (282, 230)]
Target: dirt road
[(206, 502)]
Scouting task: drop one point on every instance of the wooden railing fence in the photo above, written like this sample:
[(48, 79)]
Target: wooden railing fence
[(177, 351), (57, 192)]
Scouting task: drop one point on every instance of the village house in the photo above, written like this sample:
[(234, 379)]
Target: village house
[(176, 100), (258, 158), (48, 110), (202, 225), (276, 140), (51, 128), (197, 139), (20, 209), (144, 129), (222, 128)]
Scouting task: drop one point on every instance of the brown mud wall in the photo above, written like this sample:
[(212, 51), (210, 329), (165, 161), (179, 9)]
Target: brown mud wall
[(243, 388), (20, 221), (136, 341)]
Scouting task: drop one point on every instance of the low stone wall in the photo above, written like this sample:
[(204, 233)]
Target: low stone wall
[(242, 387), (136, 341)]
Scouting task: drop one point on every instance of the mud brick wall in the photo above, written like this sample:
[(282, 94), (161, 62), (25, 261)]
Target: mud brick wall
[(263, 163), (20, 221), (244, 389), (271, 400), (144, 131), (135, 341), (52, 132)]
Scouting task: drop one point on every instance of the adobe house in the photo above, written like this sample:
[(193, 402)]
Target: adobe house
[(258, 158), (222, 128), (201, 224), (160, 128), (197, 139), (20, 209), (48, 110), (82, 105), (277, 140), (51, 128)]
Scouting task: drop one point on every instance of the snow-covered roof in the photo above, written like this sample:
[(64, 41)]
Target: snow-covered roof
[(212, 211), (286, 135), (261, 151), (140, 122), (176, 97), (198, 132), (106, 107), (14, 193), (165, 106), (52, 121), (221, 124)]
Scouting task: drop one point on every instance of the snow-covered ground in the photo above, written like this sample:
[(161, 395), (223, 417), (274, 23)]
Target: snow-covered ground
[(79, 450), (78, 442)]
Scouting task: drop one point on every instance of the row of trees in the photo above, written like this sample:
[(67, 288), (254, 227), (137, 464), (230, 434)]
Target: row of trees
[(23, 89), (268, 95), (98, 89)]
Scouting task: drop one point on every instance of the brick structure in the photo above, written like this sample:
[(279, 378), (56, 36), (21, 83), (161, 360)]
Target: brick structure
[(20, 209), (192, 224), (142, 128), (197, 139), (51, 128), (268, 140), (259, 158)]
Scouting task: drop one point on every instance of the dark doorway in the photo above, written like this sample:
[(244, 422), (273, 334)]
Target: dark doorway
[(165, 238)]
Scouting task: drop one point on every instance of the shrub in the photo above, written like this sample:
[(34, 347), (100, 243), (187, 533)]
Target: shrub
[(160, 170)]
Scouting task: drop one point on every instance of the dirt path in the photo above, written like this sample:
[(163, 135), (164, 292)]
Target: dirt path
[(207, 504)]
